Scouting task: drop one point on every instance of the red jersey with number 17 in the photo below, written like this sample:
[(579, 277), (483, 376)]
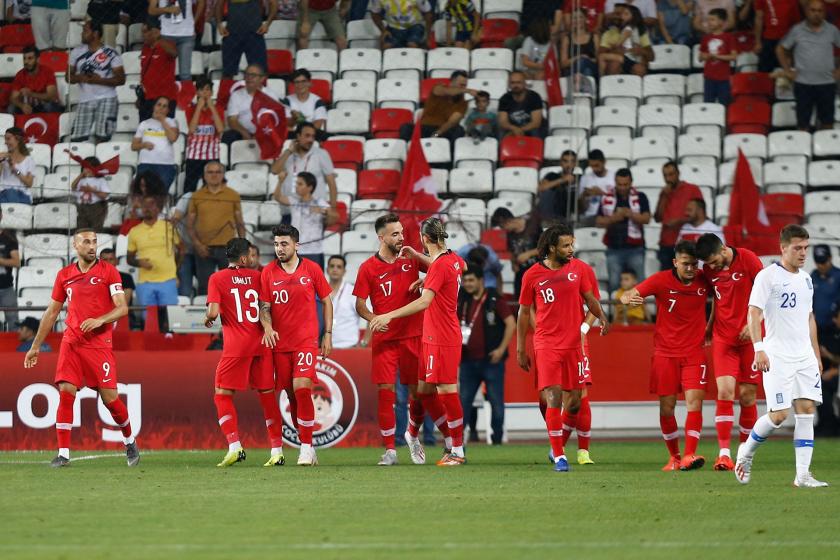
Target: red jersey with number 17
[(88, 296), (731, 288), (681, 312), (440, 322), (556, 294), (387, 285), (292, 298), (237, 291)]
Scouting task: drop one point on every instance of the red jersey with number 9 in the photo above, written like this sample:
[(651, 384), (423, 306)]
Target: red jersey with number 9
[(88, 296), (680, 312), (440, 323), (387, 285), (292, 298), (731, 289), (237, 291)]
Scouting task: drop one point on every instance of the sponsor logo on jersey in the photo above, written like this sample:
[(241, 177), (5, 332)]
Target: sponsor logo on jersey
[(780, 398)]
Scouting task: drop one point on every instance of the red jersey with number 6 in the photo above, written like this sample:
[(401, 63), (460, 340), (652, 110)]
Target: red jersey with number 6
[(681, 312), (88, 296), (237, 291), (731, 289), (440, 322), (556, 294), (387, 285), (292, 298)]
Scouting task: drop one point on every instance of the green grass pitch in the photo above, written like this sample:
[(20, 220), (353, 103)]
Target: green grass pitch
[(506, 503)]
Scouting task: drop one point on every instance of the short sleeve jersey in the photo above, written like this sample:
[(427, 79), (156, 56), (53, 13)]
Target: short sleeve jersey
[(731, 289), (237, 291), (557, 296), (519, 112), (440, 323), (387, 285), (719, 43), (292, 298), (681, 312), (88, 295), (102, 62)]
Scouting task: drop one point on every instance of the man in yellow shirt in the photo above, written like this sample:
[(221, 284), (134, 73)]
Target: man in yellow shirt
[(154, 247)]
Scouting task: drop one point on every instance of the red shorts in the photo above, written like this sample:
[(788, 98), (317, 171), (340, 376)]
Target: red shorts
[(670, 376), (441, 364), (563, 368), (86, 367), (239, 373), (736, 361), (292, 365), (392, 355)]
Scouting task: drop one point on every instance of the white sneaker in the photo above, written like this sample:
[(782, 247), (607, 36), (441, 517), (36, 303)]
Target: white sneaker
[(743, 467), (307, 457), (807, 480), (418, 454), (389, 458)]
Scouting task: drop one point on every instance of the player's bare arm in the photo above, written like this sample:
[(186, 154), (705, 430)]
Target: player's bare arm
[(211, 315), (380, 322), (755, 316), (409, 252), (270, 336), (523, 323), (362, 309), (812, 327), (326, 340), (47, 323), (632, 298), (119, 311), (596, 310)]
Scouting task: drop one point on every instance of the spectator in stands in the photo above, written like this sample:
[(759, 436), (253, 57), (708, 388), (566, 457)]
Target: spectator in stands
[(154, 247), (50, 23), (826, 279), (345, 327), (829, 340), (134, 11), (287, 10), (773, 19), (698, 222), (626, 314), (521, 109), (533, 10), (214, 217), (91, 193), (523, 234), (482, 123), (717, 50), (18, 11), (593, 10), (154, 140), (309, 214), (443, 111), (109, 256), (579, 49), (244, 33), (305, 106), (205, 125), (487, 260), (106, 13), (98, 70), (402, 23), (624, 213), (27, 329), (177, 25), (254, 258), (625, 47), (675, 21), (534, 49), (596, 182), (145, 184), (9, 261), (671, 211), (157, 70), (810, 44), (303, 155), (557, 191), (487, 327), (239, 118), (186, 269), (702, 9), (646, 8), (17, 169), (34, 89), (465, 18), (311, 12)]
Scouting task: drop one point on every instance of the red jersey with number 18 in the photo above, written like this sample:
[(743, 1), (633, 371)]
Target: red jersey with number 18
[(732, 288), (556, 294), (387, 285), (292, 298), (237, 291), (681, 312), (88, 296), (440, 322)]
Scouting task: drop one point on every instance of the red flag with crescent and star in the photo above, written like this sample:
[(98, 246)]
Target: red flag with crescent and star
[(39, 128), (551, 70), (107, 167), (270, 119)]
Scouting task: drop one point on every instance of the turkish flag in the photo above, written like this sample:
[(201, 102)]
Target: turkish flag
[(270, 119), (551, 69), (107, 167), (417, 198), (39, 128), (748, 225)]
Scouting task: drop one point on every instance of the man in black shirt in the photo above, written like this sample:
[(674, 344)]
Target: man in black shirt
[(557, 191), (829, 339), (9, 260), (521, 110)]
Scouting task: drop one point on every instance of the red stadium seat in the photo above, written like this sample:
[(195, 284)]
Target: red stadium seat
[(321, 88), (496, 239), (784, 208), (345, 154), (186, 94), (5, 94), (494, 31), (16, 36), (280, 62), (378, 183), (749, 117), (57, 60), (752, 85), (521, 151), (428, 84), (385, 123)]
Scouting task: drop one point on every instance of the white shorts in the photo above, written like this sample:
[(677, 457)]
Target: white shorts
[(788, 381)]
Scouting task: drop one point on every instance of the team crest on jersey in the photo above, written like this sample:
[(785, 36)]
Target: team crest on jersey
[(336, 401)]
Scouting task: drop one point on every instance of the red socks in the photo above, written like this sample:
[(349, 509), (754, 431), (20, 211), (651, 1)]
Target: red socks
[(416, 414), (454, 417), (569, 422), (584, 424), (668, 424), (273, 420), (64, 419), (119, 412), (693, 427), (724, 418), (433, 404), (305, 414), (227, 417), (387, 417), (554, 423), (748, 418)]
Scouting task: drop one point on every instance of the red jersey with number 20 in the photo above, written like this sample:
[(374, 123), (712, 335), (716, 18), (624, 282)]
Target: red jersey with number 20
[(681, 312), (292, 298), (440, 322), (88, 296), (731, 288), (387, 284), (556, 294), (237, 291)]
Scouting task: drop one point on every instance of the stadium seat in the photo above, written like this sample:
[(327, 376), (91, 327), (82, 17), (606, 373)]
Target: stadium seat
[(438, 151), (521, 151), (47, 245), (694, 88), (404, 63), (664, 88), (671, 57), (496, 239), (249, 182), (363, 213), (700, 148), (822, 202), (360, 64), (345, 180), (574, 140), (516, 180), (56, 186), (114, 217), (353, 94), (363, 34), (107, 150), (789, 145), (659, 120), (10, 63), (467, 214), (321, 63), (748, 116), (616, 148), (15, 36), (440, 177), (782, 176), (359, 242), (280, 62), (784, 208), (653, 150), (271, 214), (31, 277), (245, 153), (341, 121), (620, 86), (704, 118), (56, 60), (752, 146), (824, 174), (127, 119), (347, 154), (378, 183), (54, 215), (16, 216), (470, 181), (494, 86), (398, 93), (647, 176), (491, 63), (589, 239), (612, 120), (701, 175), (387, 153), (722, 209), (494, 31), (562, 118), (441, 62), (826, 143), (784, 114), (119, 184), (483, 154), (281, 34), (517, 207), (726, 173), (386, 123), (428, 84), (752, 86)]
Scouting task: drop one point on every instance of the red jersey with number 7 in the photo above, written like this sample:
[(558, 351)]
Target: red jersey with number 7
[(441, 326), (88, 296), (731, 289), (237, 291), (387, 285), (556, 294), (292, 298), (680, 312)]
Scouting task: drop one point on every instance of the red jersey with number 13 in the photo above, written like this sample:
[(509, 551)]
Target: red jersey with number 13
[(731, 289), (680, 312), (88, 296), (440, 322), (387, 285), (237, 291)]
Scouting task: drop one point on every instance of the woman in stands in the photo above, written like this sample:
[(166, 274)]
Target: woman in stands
[(154, 140), (16, 169)]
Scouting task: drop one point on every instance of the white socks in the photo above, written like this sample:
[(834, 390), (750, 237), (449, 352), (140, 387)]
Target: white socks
[(458, 450), (803, 442), (276, 451), (235, 446), (760, 432), (64, 452)]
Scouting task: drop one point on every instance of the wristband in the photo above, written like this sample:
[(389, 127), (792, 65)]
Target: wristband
[(758, 346), (584, 328)]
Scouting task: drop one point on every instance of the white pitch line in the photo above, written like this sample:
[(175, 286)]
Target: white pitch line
[(72, 459)]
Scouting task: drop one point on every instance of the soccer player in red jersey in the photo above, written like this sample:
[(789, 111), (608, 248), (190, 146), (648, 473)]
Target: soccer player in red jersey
[(95, 300), (391, 282), (679, 363), (235, 293), (554, 287), (442, 338), (731, 273), (291, 284)]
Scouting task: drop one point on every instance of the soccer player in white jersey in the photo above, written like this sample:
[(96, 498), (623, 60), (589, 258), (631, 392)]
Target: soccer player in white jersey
[(782, 297)]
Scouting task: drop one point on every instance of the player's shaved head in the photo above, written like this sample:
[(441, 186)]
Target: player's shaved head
[(84, 241)]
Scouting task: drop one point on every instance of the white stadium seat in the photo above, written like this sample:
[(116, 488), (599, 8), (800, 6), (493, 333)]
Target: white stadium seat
[(781, 176), (508, 9), (364, 212), (664, 88), (404, 63), (652, 150), (248, 182), (701, 148), (656, 120), (320, 62), (827, 143), (341, 121), (353, 94), (398, 93), (752, 146), (250, 212), (589, 239), (496, 87), (703, 118), (245, 153), (436, 150), (516, 206), (80, 149), (463, 210), (784, 114), (33, 277), (516, 179), (726, 173), (621, 85), (671, 57), (56, 186), (647, 176), (574, 140), (107, 150), (614, 147), (55, 215), (614, 121), (482, 154), (271, 214), (702, 175), (363, 33), (385, 153), (466, 181), (824, 174), (16, 216), (360, 64), (789, 145), (491, 63), (47, 245), (822, 202), (569, 117), (440, 63)]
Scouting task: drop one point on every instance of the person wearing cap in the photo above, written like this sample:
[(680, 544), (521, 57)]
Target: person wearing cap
[(26, 334), (826, 278)]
